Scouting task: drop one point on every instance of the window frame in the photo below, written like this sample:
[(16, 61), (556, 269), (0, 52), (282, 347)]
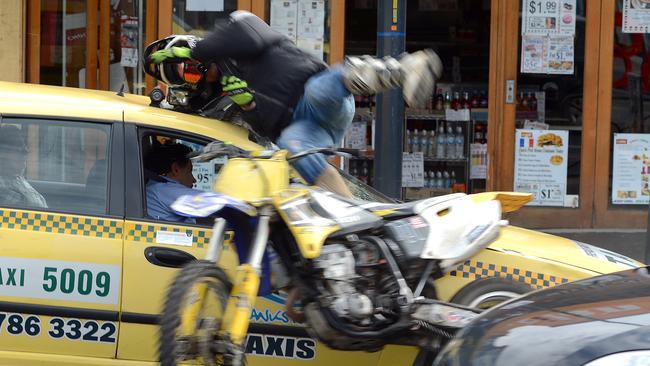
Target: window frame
[(115, 157), (136, 197)]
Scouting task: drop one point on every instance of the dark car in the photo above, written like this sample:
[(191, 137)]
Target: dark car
[(603, 320)]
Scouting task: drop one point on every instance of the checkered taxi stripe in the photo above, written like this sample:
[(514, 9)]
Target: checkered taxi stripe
[(476, 270), (147, 233), (61, 224)]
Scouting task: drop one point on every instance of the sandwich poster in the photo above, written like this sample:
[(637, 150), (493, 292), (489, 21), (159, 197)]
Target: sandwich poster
[(541, 165), (631, 169)]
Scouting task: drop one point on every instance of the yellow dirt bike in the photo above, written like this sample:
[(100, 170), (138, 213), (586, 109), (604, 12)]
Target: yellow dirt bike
[(362, 271)]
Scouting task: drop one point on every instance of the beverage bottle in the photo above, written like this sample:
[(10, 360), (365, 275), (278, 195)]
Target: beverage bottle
[(364, 172), (460, 143), (525, 106), (425, 143), (446, 180), (467, 103), (416, 141), (438, 181), (483, 102), (450, 150), (440, 101), (453, 178), (353, 168), (455, 103), (441, 141), (432, 144), (532, 102), (409, 141), (478, 133), (447, 103), (475, 102), (430, 179), (519, 99)]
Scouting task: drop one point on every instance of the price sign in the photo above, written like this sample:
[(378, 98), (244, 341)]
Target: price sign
[(412, 169), (205, 173), (548, 17)]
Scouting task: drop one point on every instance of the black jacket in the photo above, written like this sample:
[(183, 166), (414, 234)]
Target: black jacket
[(274, 68)]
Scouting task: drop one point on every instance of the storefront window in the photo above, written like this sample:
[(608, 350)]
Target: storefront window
[(549, 101), (199, 17), (63, 42), (630, 170)]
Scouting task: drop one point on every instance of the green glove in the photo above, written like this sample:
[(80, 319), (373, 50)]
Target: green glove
[(237, 90), (169, 54)]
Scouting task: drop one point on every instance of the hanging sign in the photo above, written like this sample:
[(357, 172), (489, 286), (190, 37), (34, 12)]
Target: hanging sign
[(541, 165), (631, 169), (636, 16)]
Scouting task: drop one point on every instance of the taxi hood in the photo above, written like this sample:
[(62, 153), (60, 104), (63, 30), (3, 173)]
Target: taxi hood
[(554, 248)]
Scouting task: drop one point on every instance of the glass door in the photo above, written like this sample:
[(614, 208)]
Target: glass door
[(547, 97)]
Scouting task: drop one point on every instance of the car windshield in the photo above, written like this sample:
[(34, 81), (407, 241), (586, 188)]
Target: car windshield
[(362, 191)]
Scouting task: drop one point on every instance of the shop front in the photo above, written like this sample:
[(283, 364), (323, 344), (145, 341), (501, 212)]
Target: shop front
[(544, 96)]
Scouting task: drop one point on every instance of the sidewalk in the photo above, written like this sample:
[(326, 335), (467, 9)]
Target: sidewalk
[(627, 242)]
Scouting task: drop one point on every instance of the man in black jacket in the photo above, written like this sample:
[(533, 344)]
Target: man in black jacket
[(292, 97)]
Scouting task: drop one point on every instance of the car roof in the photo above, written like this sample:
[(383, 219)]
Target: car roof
[(34, 100)]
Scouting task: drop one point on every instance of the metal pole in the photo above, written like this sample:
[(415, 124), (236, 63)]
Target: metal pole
[(64, 56), (389, 119)]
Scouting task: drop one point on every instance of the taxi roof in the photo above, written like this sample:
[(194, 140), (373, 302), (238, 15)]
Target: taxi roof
[(34, 100)]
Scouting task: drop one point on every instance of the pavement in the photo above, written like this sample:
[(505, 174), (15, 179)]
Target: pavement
[(631, 243)]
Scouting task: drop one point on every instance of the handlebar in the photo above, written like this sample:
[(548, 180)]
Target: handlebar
[(214, 150)]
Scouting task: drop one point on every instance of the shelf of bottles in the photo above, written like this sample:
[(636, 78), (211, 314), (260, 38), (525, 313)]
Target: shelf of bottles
[(445, 144)]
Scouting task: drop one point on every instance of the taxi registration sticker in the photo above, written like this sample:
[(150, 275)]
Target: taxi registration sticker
[(174, 238)]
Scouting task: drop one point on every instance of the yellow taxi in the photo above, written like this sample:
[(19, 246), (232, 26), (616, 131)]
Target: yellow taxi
[(84, 270)]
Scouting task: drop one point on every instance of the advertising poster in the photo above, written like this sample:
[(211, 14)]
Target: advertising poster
[(559, 55), (549, 17), (636, 16), (284, 16), (631, 169), (356, 136), (547, 55), (541, 165), (532, 54), (412, 169), (129, 41), (311, 26)]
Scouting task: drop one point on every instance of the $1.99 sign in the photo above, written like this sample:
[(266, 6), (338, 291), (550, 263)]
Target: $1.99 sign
[(60, 280)]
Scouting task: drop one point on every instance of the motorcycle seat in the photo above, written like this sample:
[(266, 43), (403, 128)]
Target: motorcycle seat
[(396, 210)]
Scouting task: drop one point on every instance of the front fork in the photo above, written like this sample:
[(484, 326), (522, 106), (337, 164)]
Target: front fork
[(247, 283)]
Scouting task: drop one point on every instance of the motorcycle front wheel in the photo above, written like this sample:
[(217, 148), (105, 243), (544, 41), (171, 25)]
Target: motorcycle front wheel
[(192, 317)]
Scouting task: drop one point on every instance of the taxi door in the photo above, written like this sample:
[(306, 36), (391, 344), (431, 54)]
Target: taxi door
[(155, 250), (61, 232)]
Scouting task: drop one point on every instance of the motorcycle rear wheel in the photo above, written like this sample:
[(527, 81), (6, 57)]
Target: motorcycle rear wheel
[(195, 340)]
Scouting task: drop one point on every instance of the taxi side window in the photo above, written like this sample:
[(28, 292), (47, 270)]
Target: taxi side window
[(54, 165), (164, 184)]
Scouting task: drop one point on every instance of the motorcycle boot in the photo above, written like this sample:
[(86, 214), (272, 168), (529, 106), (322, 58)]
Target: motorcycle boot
[(416, 73)]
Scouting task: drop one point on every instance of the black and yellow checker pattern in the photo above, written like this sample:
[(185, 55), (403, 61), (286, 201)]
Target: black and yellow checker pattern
[(61, 224), (477, 270), (147, 233)]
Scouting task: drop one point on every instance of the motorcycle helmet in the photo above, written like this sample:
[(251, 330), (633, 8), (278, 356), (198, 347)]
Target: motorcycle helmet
[(175, 73)]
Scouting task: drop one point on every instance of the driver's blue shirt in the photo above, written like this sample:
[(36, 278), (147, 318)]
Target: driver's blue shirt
[(160, 196)]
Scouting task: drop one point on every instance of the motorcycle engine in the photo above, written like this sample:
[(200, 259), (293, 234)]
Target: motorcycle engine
[(351, 273)]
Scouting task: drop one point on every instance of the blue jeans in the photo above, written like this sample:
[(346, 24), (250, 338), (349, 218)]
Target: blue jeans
[(320, 119)]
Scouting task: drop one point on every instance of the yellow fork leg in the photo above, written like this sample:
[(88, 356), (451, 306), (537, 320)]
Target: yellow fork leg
[(240, 304), (190, 313)]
